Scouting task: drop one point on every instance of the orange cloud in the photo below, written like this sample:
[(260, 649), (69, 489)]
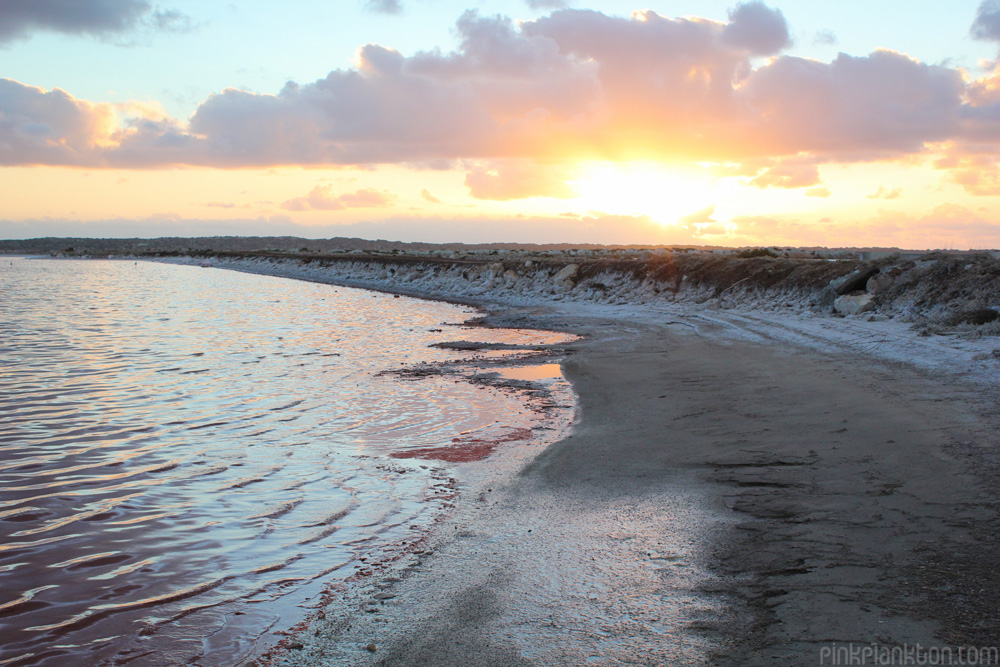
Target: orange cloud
[(426, 195), (518, 180), (886, 193), (576, 84), (978, 174), (962, 227), (321, 198), (702, 217), (788, 175)]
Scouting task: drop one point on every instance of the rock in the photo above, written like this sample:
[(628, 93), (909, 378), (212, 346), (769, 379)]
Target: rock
[(879, 283), (852, 304), (567, 275), (371, 648), (854, 281), (568, 272)]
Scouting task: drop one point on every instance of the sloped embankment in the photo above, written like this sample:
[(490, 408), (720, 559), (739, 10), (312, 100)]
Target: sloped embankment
[(938, 288)]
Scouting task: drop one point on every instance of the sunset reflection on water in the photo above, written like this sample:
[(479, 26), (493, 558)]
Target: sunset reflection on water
[(188, 454)]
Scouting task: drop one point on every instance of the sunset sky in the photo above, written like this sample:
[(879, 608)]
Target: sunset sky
[(719, 123)]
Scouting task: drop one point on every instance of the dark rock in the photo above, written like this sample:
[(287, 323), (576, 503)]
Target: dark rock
[(854, 281)]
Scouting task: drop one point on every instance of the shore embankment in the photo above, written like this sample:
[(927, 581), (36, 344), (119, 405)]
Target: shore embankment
[(754, 477), (933, 289)]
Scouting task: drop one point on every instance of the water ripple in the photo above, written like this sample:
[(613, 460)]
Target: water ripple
[(171, 438)]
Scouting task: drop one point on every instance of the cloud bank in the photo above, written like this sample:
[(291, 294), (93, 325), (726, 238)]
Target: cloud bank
[(576, 84)]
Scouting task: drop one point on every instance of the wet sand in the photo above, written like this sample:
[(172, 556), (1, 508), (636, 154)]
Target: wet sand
[(718, 502)]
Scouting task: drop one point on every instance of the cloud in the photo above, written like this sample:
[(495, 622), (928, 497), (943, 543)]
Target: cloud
[(979, 175), (882, 105), (321, 198), (825, 38), (20, 18), (987, 24), (573, 85), (822, 192), (702, 217), (768, 230), (503, 181), (788, 175), (51, 127), (545, 4), (886, 193), (701, 225), (426, 195), (171, 20), (947, 225), (384, 6), (756, 28)]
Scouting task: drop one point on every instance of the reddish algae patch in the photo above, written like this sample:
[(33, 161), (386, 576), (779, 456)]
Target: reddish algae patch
[(464, 450)]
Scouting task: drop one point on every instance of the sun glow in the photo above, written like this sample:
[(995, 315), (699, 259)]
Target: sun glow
[(666, 194)]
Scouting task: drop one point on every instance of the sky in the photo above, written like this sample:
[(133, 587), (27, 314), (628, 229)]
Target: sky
[(802, 123)]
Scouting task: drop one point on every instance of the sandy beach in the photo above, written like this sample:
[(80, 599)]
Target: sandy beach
[(728, 496), (536, 333)]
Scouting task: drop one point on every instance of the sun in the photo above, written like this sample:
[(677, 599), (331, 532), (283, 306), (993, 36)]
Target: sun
[(663, 192)]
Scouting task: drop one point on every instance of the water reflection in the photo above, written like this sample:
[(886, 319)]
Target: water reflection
[(186, 454)]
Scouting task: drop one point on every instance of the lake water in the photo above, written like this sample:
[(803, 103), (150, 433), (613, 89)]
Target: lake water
[(189, 456)]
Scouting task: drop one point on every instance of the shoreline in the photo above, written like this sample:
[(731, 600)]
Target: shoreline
[(830, 508)]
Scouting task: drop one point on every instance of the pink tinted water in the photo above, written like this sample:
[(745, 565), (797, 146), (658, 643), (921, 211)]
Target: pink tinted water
[(187, 454)]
